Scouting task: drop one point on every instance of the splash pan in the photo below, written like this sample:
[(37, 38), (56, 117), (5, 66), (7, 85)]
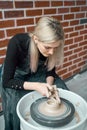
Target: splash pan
[(52, 115), (78, 121)]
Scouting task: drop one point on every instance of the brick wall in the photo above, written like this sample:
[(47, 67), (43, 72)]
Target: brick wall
[(21, 16)]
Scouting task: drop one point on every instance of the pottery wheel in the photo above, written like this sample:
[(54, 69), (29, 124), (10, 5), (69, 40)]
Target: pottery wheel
[(46, 113)]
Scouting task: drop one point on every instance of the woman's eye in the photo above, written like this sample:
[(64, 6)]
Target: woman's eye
[(47, 47)]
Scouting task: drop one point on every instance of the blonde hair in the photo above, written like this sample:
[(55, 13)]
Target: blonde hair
[(47, 30)]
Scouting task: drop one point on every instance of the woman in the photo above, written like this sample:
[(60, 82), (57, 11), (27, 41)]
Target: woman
[(30, 64)]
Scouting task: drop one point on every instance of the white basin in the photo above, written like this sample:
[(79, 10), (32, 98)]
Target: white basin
[(27, 123)]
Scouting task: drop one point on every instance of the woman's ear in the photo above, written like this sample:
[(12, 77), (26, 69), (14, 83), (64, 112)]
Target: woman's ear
[(35, 38)]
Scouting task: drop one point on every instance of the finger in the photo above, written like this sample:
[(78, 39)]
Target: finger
[(50, 94), (47, 94), (50, 87), (58, 98)]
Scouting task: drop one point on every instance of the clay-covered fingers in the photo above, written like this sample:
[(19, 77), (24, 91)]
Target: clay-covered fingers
[(49, 89), (57, 97), (44, 89), (55, 93)]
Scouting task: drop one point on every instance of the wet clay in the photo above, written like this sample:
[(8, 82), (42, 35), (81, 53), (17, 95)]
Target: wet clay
[(53, 106), (51, 109), (77, 117)]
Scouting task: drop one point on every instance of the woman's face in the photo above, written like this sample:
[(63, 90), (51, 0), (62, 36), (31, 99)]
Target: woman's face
[(47, 49)]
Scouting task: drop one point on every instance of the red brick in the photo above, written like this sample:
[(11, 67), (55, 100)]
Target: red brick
[(24, 4), (2, 34), (6, 23), (0, 15), (58, 17), (74, 56), (66, 36), (34, 12), (4, 43), (65, 24), (85, 57), (80, 15), (84, 8), (69, 29), (67, 53), (30, 29), (11, 32), (36, 19), (27, 21), (85, 25), (65, 59), (79, 27), (69, 41), (83, 43), (76, 71), (78, 39), (85, 47), (69, 3), (49, 11), (57, 3), (75, 9), (72, 67), (67, 75), (73, 46), (6, 4), (86, 14), (81, 63), (73, 34), (63, 10), (74, 22), (83, 31), (81, 2), (85, 37), (76, 50), (67, 64), (63, 71), (77, 60), (66, 48), (14, 14), (41, 3), (82, 53), (2, 52), (68, 16)]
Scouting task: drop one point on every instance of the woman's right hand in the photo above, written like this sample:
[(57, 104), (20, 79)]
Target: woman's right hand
[(44, 88)]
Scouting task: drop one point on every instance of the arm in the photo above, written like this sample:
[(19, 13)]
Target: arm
[(42, 88), (50, 76), (10, 64)]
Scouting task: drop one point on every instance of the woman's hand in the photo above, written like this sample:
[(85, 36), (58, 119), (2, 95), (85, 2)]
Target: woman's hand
[(44, 89), (50, 80)]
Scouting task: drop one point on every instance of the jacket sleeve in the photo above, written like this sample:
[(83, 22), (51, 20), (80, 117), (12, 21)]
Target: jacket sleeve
[(51, 73), (10, 64)]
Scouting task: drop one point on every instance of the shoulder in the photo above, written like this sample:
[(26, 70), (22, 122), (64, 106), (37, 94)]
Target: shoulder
[(21, 36), (19, 40)]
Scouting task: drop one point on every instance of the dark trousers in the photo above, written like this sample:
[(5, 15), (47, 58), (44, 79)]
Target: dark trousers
[(10, 98)]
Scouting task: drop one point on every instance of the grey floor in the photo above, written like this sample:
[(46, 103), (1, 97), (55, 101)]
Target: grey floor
[(77, 84)]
